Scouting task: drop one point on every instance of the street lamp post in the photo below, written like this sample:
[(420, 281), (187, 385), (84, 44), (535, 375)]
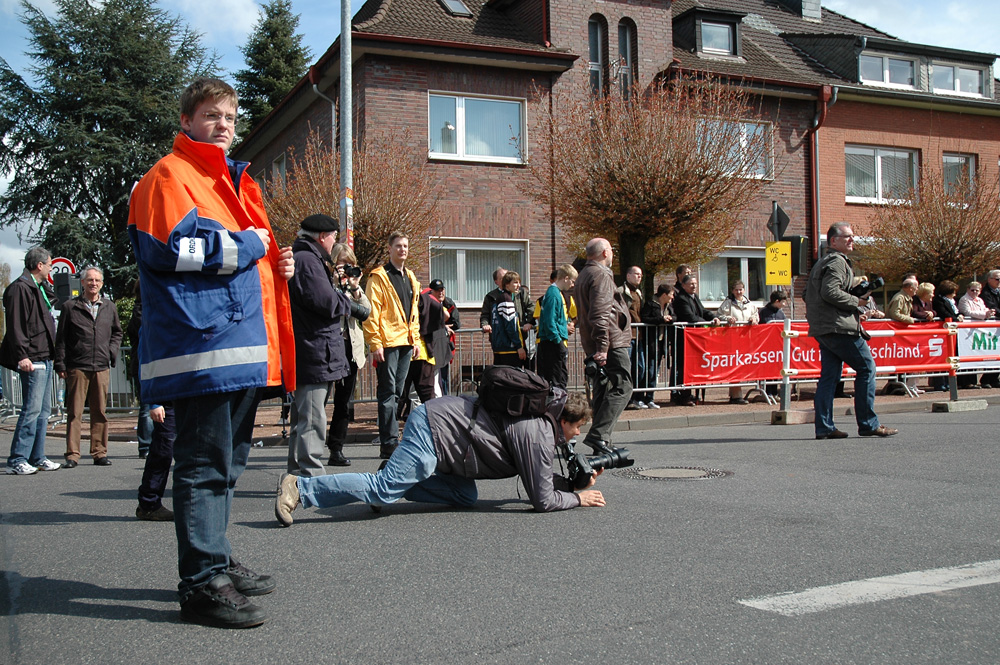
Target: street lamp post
[(346, 127)]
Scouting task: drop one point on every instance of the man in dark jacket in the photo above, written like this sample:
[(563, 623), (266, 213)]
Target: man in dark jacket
[(87, 344), (318, 307), (835, 324), (27, 348), (605, 333), (991, 296), (443, 452), (688, 307)]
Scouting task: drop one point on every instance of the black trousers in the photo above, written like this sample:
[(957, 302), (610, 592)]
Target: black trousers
[(551, 358)]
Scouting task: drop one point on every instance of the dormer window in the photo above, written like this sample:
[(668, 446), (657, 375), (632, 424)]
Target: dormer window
[(956, 79), (887, 71), (718, 38), (456, 7)]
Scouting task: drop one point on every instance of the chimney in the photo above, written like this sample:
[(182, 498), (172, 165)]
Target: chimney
[(810, 10)]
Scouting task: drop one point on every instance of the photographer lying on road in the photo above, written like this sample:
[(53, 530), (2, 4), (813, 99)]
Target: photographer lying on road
[(442, 453)]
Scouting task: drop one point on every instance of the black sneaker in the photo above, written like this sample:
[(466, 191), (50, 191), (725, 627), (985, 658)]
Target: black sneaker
[(159, 514), (248, 582), (220, 605)]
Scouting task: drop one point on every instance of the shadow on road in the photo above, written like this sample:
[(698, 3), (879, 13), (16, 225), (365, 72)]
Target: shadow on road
[(44, 595)]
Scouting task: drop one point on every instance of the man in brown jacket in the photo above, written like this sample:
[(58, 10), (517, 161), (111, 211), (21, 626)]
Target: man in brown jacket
[(605, 334)]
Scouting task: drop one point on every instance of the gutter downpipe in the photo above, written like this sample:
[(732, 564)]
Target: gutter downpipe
[(333, 108), (827, 98)]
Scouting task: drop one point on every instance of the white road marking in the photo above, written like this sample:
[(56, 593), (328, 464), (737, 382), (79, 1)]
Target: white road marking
[(819, 599)]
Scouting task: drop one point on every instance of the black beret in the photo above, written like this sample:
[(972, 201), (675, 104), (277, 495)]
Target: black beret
[(320, 223), (437, 285)]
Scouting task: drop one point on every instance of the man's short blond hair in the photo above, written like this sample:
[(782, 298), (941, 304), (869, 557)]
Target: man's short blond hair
[(206, 88)]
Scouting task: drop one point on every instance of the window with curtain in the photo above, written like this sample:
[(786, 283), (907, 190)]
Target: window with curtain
[(878, 175), (466, 266), (716, 278), (626, 55), (957, 80), (475, 128), (958, 170)]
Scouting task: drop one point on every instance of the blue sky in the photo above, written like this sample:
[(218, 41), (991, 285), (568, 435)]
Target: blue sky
[(225, 24)]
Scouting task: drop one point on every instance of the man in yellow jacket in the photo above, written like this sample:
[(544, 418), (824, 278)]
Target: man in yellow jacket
[(392, 331)]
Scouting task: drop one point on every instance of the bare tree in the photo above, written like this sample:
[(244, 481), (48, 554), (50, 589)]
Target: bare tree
[(665, 173), (943, 229), (392, 191)]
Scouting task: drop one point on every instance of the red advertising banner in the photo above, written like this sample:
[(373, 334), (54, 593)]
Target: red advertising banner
[(753, 353)]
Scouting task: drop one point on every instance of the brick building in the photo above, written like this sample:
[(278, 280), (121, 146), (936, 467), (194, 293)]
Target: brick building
[(458, 77)]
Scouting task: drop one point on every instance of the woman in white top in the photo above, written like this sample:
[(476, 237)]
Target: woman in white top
[(738, 309), (972, 306)]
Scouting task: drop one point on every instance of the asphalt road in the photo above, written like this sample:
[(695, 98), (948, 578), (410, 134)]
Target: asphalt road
[(656, 576)]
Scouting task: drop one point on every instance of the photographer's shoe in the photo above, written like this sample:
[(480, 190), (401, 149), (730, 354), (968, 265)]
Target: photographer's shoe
[(287, 499), (881, 431), (599, 447), (219, 604), (248, 582), (385, 451)]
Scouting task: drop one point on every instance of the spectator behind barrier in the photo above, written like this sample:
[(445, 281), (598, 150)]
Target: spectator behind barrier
[(774, 310), (923, 308), (736, 308)]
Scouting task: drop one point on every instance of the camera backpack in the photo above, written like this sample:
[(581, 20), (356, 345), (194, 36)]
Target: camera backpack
[(512, 391)]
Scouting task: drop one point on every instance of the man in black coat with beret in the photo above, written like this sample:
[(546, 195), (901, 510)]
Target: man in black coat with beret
[(319, 303)]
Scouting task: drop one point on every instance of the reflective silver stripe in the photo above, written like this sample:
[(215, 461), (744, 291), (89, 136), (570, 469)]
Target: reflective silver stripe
[(230, 253), (194, 362), (190, 255)]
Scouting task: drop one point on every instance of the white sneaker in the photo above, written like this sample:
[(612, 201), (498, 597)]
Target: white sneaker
[(21, 469), (652, 405), (48, 465)]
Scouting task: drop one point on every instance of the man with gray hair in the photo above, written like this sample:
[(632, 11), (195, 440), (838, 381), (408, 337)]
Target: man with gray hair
[(835, 324), (901, 306), (605, 333), (27, 348), (87, 343), (991, 296)]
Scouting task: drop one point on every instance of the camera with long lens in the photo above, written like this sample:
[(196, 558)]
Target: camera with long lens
[(873, 283), (593, 371), (580, 467)]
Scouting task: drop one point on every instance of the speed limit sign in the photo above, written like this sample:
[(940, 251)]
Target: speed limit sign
[(61, 264)]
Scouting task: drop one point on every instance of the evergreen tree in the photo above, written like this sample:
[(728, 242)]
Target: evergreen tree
[(276, 60), (102, 108)]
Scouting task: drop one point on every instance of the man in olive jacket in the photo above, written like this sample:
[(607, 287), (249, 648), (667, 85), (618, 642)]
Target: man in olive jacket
[(87, 343), (835, 324), (605, 333)]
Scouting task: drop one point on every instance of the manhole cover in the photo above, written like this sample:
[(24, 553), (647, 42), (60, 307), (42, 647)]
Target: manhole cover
[(673, 473)]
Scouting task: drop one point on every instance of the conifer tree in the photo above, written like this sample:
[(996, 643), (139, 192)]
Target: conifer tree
[(276, 60), (100, 109)]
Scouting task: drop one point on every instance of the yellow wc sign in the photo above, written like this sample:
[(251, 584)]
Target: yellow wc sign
[(778, 260)]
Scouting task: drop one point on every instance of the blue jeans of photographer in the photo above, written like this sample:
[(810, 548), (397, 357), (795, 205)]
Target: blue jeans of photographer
[(835, 350), (409, 474)]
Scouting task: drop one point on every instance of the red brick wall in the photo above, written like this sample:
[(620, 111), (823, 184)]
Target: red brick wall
[(930, 133)]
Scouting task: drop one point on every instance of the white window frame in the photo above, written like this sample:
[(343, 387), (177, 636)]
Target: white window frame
[(968, 161), (456, 7), (278, 169), (743, 124), (885, 83), (744, 254), (460, 293), (626, 38), (730, 28), (261, 180), (983, 82), (598, 66), (877, 152), (460, 129)]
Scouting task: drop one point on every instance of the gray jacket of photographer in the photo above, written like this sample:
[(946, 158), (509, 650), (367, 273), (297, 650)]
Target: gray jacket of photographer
[(603, 317), (500, 447), (830, 308), (360, 312), (318, 308)]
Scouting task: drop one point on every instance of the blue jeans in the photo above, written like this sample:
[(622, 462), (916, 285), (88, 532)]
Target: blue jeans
[(391, 376), (409, 474), (28, 444), (835, 350), (144, 429), (210, 453), (637, 356)]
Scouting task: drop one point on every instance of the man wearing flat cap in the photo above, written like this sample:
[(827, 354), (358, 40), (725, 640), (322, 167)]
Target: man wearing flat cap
[(319, 303)]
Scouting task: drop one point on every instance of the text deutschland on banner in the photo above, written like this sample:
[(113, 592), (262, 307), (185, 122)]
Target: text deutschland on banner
[(752, 353)]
